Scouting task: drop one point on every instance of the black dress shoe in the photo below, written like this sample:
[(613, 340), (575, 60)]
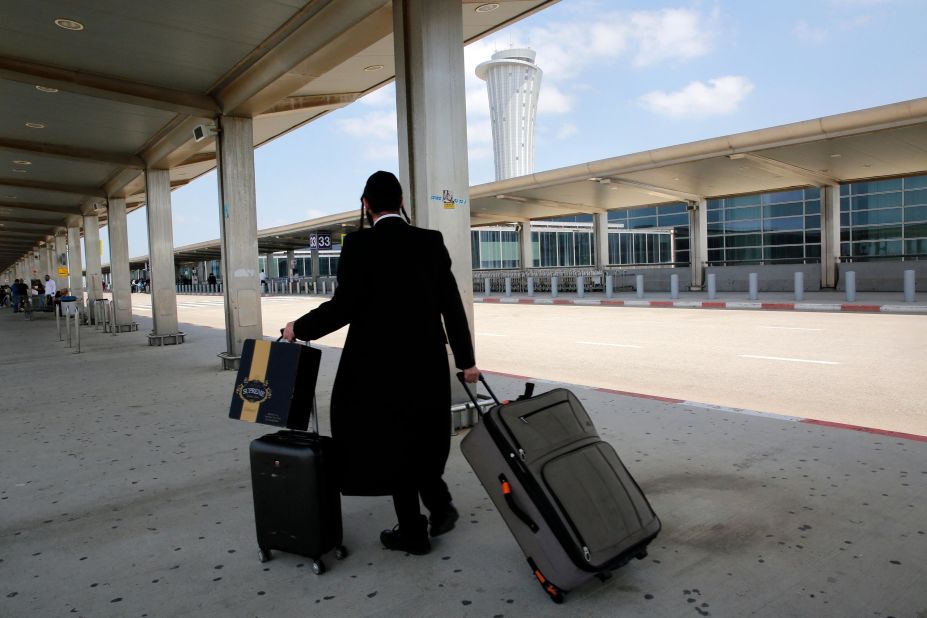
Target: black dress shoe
[(416, 544), (444, 521)]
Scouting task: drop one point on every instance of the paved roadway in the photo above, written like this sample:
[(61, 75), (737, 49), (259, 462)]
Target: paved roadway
[(861, 369)]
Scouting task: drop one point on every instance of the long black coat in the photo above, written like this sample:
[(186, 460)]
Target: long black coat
[(390, 408)]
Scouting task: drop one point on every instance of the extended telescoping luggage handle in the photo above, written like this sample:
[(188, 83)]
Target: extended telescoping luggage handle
[(315, 403), (460, 376)]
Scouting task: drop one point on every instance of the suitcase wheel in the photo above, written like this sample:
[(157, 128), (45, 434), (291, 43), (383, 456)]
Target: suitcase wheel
[(264, 555), (318, 567), (641, 554), (604, 576), (341, 552)]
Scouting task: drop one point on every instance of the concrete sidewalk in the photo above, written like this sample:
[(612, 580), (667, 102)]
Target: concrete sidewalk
[(125, 491), (823, 300)]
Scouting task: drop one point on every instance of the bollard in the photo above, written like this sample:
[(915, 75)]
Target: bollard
[(58, 321), (851, 286), (315, 287), (530, 286), (799, 286), (674, 286), (67, 328), (609, 286), (486, 289), (77, 329), (712, 286), (508, 286), (580, 286), (324, 288), (909, 286), (553, 286), (639, 281), (754, 287)]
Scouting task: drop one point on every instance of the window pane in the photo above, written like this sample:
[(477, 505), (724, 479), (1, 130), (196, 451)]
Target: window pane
[(882, 247), (744, 240), (785, 210), (883, 200), (813, 237), (784, 253), (714, 204), (742, 226), (739, 214), (788, 223), (813, 193), (876, 186), (783, 196), (617, 216), (813, 207), (812, 251), (716, 242), (915, 213), (916, 247), (682, 257), (714, 216), (681, 243), (743, 200), (671, 209), (916, 230), (915, 182), (844, 204), (738, 255), (716, 255), (675, 219), (813, 222), (666, 250), (915, 197), (875, 217), (877, 233), (785, 238), (646, 211), (565, 248), (636, 223)]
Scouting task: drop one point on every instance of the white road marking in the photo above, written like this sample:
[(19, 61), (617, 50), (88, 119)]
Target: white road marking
[(793, 328), (611, 345), (490, 335), (791, 360)]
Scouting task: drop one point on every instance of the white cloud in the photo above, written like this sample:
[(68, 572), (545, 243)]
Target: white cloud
[(553, 101), (377, 125), (810, 34), (669, 34), (379, 98), (719, 96), (567, 130), (382, 152), (479, 132)]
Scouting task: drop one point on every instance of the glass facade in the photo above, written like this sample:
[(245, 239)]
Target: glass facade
[(328, 265), (667, 245), (570, 247), (884, 219), (781, 227), (495, 248)]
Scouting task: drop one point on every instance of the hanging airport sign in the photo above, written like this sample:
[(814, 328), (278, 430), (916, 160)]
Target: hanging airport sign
[(320, 240)]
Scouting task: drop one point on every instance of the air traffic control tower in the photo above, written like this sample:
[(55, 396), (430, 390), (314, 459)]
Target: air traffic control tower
[(513, 82)]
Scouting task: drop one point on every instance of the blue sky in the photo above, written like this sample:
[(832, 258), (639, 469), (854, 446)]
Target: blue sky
[(619, 77)]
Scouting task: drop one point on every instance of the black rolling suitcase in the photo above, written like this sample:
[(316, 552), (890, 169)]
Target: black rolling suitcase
[(297, 503), (571, 504)]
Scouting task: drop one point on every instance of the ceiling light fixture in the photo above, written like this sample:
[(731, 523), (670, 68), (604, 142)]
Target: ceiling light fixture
[(46, 89), (17, 170), (835, 156), (35, 125), (373, 67), (21, 162), (489, 7), (69, 24)]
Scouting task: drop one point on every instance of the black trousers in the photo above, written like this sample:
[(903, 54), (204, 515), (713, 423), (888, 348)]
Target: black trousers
[(434, 494)]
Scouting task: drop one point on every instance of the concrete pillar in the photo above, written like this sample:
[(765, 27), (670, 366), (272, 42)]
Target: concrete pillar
[(61, 260), (92, 251), (600, 238), (36, 263), (201, 272), (698, 242), (161, 259), (290, 263), (525, 246), (120, 284), (830, 235), (430, 101), (75, 265), (50, 266), (432, 123), (314, 258), (238, 226)]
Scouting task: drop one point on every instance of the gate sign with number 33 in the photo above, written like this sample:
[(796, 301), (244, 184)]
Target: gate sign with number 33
[(320, 240)]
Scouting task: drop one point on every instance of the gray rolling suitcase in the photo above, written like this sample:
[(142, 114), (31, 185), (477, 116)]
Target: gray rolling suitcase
[(571, 504)]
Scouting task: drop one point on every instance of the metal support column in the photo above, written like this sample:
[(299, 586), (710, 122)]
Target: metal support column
[(75, 266), (830, 235), (600, 235), (238, 234), (430, 103), (161, 259), (92, 252), (698, 242)]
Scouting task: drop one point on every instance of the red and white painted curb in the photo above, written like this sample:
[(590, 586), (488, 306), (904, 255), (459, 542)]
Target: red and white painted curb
[(709, 304), (716, 408)]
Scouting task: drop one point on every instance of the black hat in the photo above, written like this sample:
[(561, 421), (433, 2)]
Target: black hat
[(383, 192)]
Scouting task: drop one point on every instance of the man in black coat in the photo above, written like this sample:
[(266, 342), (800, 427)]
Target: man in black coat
[(390, 408)]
